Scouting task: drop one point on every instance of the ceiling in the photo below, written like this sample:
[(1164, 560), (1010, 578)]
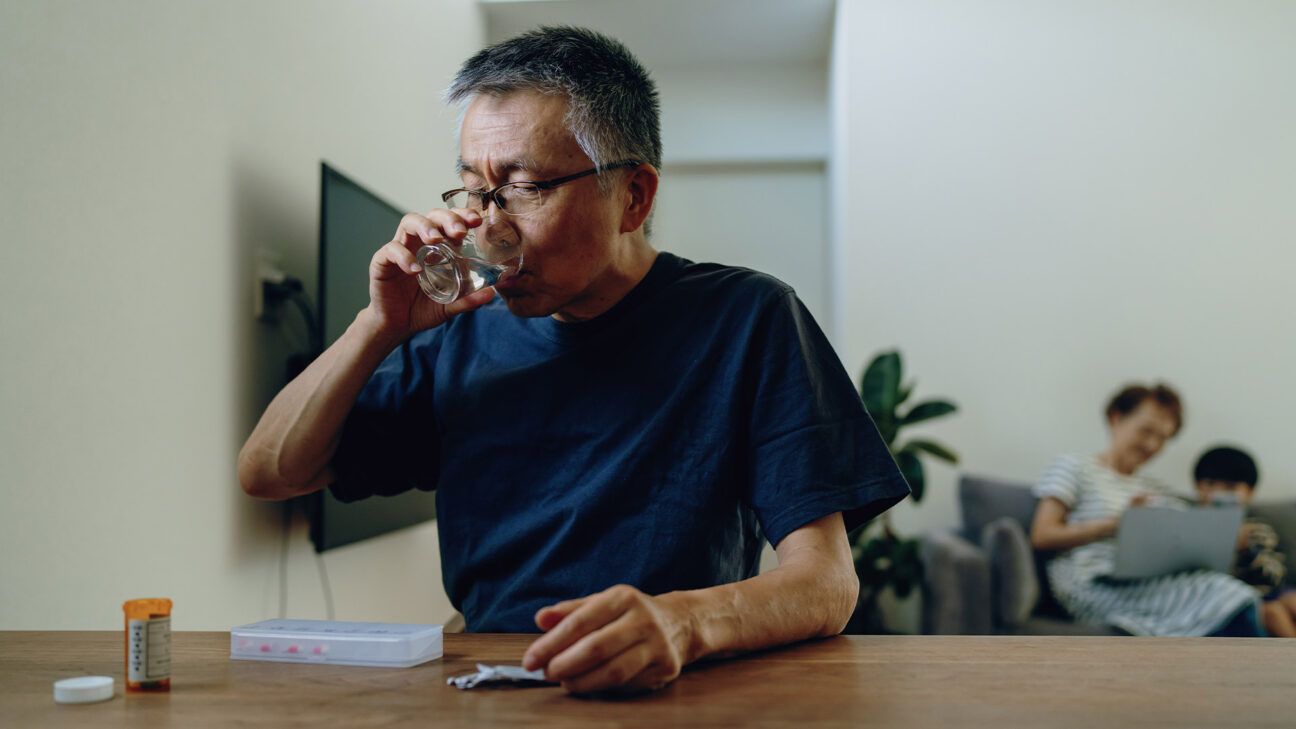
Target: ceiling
[(684, 32)]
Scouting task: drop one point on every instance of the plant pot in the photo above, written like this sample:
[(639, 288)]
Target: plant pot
[(882, 613)]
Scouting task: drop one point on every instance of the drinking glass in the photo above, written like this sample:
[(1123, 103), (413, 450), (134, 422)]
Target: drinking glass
[(450, 272)]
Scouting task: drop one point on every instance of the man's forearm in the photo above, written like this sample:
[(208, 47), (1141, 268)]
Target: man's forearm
[(622, 637), (288, 452), (803, 598)]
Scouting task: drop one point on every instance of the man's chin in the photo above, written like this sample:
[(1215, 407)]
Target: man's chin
[(524, 305)]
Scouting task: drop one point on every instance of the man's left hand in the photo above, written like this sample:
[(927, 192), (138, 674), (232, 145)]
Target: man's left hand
[(620, 638)]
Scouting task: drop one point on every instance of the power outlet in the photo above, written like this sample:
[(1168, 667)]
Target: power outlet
[(267, 273)]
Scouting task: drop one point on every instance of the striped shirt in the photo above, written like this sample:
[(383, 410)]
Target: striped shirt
[(1186, 603)]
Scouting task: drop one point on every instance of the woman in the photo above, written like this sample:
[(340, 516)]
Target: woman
[(1081, 499)]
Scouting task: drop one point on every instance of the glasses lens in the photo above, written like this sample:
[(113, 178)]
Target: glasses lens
[(519, 198), (463, 199)]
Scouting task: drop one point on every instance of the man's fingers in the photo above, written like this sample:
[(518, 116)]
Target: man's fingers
[(599, 610), (394, 255), (440, 225), (651, 678), (623, 667), (469, 216), (595, 649), (415, 230), (472, 301), (547, 617)]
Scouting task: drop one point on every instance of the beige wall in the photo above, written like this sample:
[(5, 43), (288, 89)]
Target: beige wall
[(149, 149), (1040, 201)]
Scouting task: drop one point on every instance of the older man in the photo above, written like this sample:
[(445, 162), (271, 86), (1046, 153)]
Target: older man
[(614, 432)]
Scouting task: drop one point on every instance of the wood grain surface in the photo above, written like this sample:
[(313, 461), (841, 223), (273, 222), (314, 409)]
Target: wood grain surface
[(867, 681)]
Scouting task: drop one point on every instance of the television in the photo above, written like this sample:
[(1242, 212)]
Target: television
[(354, 223)]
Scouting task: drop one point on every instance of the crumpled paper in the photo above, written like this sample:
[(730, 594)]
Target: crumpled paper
[(499, 676)]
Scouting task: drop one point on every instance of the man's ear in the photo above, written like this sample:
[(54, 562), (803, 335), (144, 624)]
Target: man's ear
[(640, 193)]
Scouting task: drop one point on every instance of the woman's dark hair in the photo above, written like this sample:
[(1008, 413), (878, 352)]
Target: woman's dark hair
[(1224, 463), (1131, 396)]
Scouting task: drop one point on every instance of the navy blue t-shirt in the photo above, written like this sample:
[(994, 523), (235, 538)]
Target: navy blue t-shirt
[(657, 445)]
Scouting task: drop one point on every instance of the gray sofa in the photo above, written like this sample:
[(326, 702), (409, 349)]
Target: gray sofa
[(985, 579)]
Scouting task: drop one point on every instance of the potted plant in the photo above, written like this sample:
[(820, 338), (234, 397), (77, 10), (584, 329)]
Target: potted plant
[(884, 558)]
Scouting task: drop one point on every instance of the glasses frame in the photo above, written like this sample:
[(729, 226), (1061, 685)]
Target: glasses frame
[(489, 196)]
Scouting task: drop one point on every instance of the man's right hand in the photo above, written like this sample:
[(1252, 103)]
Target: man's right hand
[(397, 306)]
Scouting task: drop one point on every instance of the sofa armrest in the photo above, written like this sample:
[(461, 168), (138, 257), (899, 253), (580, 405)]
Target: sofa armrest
[(1014, 588), (956, 586)]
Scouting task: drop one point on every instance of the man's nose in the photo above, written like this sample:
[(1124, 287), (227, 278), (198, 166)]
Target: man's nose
[(495, 227)]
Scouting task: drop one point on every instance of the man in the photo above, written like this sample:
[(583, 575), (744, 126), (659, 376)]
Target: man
[(612, 443)]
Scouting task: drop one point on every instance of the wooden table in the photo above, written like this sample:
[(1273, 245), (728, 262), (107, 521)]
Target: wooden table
[(882, 681)]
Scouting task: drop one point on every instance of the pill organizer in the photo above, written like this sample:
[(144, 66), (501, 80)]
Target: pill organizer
[(388, 645)]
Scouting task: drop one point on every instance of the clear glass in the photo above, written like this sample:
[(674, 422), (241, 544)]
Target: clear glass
[(452, 271)]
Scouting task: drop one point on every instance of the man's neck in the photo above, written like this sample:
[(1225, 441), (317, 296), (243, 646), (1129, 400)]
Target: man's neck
[(624, 273)]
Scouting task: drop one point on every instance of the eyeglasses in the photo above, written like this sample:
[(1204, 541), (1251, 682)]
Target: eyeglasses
[(519, 198)]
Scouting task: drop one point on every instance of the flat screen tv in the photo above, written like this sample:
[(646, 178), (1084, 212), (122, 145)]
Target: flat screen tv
[(354, 223)]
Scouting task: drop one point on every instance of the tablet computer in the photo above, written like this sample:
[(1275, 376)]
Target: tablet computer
[(1156, 541)]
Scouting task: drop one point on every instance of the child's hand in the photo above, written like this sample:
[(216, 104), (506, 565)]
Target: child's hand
[(1142, 499), (1244, 535)]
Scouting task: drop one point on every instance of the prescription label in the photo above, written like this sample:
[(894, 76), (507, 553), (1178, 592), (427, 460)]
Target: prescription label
[(148, 649)]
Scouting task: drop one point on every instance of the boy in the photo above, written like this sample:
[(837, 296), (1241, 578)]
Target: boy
[(1229, 475)]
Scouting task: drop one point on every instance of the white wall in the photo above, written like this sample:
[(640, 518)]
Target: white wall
[(751, 113), (723, 213), (149, 150), (740, 142), (1041, 201)]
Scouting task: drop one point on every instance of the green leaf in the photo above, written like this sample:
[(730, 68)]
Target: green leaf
[(912, 470), (927, 411), (907, 552), (887, 429), (902, 587), (909, 560), (905, 392), (932, 448), (880, 386)]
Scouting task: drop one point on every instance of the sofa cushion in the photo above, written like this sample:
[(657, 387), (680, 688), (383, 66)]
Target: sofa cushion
[(984, 500), (1061, 626)]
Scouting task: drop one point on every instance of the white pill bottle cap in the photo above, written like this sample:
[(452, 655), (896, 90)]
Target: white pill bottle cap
[(83, 689)]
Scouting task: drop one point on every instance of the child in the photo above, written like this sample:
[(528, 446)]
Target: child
[(1229, 475)]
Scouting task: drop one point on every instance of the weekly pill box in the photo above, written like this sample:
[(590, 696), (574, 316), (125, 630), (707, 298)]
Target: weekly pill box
[(388, 645)]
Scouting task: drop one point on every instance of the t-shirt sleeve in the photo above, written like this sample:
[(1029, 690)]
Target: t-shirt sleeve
[(814, 449), (1061, 481), (389, 441)]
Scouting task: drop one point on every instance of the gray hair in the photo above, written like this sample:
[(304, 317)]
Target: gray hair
[(613, 109)]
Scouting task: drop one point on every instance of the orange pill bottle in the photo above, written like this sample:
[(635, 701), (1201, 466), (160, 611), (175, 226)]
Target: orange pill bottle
[(148, 644)]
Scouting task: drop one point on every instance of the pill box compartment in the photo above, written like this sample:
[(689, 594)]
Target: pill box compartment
[(387, 645)]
